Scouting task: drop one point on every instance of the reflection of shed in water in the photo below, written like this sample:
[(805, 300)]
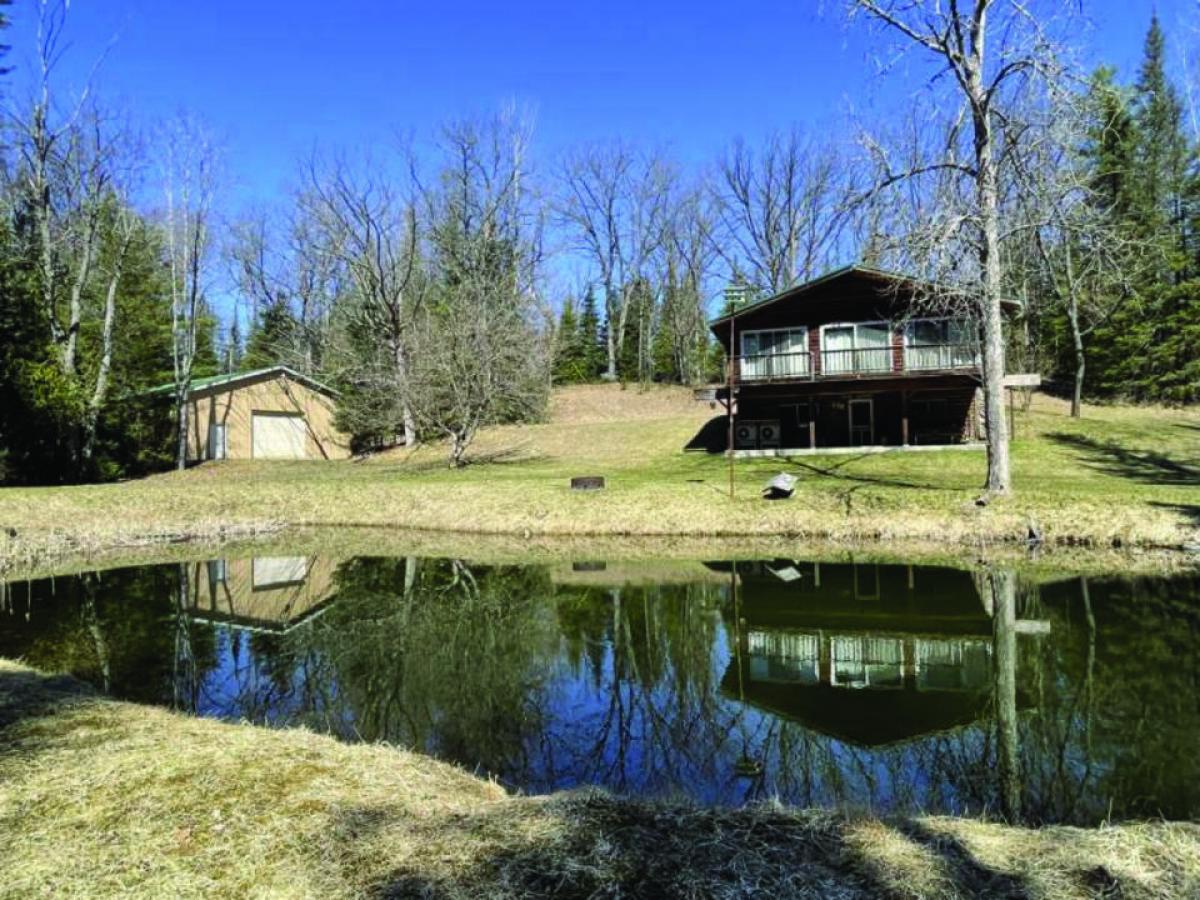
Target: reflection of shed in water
[(267, 593), (864, 653)]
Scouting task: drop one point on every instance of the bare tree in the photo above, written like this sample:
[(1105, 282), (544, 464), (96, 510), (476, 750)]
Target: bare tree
[(126, 228), (991, 52), (1087, 260), (187, 166), (689, 254), (782, 209), (476, 361), (614, 206), (368, 228), (286, 264)]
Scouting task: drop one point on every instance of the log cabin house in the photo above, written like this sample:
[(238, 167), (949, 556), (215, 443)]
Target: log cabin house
[(849, 360)]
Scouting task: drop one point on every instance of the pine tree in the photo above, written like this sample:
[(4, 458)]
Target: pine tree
[(272, 339), (1112, 144), (1163, 152), (570, 362), (592, 339)]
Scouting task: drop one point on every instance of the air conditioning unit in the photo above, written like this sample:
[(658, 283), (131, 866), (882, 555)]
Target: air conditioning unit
[(768, 434), (745, 436)]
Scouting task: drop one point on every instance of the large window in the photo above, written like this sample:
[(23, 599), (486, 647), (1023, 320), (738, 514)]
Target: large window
[(940, 344), (775, 353), (858, 347)]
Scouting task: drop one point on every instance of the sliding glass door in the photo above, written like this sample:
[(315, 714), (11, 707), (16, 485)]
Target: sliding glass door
[(861, 347), (778, 353)]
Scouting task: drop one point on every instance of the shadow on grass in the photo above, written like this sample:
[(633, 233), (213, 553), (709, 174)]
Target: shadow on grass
[(1146, 466), (26, 694), (837, 471), (713, 437), (975, 878), (596, 845), (1191, 512)]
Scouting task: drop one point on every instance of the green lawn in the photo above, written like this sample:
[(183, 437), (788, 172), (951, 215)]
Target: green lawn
[(1121, 476)]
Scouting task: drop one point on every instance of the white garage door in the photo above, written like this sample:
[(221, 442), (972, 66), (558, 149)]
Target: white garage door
[(278, 436)]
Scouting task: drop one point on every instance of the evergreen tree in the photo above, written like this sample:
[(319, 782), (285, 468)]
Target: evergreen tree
[(272, 339), (570, 357), (1111, 144), (592, 339), (1163, 156), (633, 354)]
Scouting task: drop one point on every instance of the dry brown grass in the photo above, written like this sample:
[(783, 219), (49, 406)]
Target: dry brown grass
[(109, 799)]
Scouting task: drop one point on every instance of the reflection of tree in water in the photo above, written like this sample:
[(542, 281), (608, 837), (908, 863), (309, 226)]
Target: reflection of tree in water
[(655, 720), (1117, 718), (440, 656), (106, 628)]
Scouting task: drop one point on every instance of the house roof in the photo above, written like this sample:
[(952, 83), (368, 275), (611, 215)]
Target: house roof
[(868, 272), (234, 378)]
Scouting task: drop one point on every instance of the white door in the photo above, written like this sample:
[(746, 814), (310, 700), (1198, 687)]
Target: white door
[(278, 436)]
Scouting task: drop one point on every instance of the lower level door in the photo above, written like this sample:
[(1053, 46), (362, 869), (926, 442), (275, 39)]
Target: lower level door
[(862, 422)]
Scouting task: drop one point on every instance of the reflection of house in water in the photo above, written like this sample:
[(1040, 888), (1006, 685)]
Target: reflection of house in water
[(263, 593), (870, 654)]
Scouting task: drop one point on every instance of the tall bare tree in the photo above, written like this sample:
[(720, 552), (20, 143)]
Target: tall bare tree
[(188, 170), (689, 257), (368, 228), (991, 53), (285, 263), (782, 209), (79, 168), (614, 205), (1087, 260)]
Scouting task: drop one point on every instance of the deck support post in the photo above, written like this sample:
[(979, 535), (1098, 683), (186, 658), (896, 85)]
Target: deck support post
[(812, 426), (904, 418)]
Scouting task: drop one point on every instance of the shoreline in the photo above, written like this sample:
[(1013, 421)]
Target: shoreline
[(67, 553)]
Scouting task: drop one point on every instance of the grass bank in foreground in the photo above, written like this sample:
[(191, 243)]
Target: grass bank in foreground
[(111, 799), (1121, 476)]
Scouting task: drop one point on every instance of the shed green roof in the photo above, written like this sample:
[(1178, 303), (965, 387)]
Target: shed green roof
[(210, 381)]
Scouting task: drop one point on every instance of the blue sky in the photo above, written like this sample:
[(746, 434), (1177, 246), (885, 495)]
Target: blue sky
[(274, 78)]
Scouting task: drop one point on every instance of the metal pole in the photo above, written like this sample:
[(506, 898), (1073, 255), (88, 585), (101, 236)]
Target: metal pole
[(730, 381)]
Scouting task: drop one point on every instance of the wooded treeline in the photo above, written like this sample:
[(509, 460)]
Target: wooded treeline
[(448, 282)]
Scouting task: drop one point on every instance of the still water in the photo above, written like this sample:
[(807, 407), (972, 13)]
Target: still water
[(891, 688)]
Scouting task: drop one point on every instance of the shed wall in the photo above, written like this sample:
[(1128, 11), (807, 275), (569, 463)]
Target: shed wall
[(234, 406)]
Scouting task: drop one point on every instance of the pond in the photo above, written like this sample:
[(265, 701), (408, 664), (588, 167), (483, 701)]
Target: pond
[(882, 687)]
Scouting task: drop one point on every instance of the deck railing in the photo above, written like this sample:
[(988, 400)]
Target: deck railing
[(768, 366), (853, 362), (923, 357), (861, 361)]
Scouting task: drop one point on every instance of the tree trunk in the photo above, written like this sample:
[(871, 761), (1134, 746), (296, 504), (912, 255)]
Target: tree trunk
[(406, 413), (1004, 655), (610, 374), (100, 392), (181, 425), (1080, 357), (999, 479)]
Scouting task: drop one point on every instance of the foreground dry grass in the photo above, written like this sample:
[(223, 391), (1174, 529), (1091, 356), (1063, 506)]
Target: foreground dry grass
[(104, 799), (1121, 476)]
